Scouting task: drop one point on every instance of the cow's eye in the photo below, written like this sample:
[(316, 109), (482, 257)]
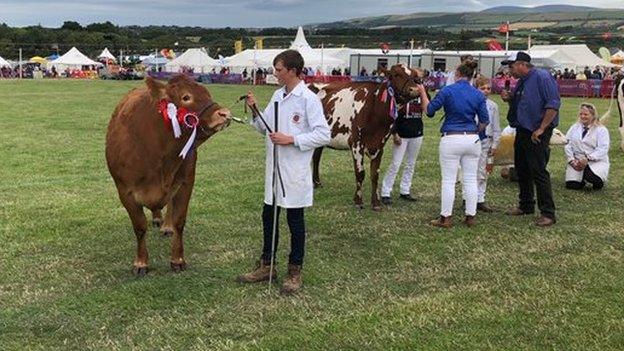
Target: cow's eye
[(186, 98)]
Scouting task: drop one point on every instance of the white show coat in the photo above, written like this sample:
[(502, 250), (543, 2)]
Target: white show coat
[(493, 129), (300, 115), (595, 147)]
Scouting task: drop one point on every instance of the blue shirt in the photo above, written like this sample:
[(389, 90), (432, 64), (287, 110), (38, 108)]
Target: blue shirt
[(461, 102), (534, 93)]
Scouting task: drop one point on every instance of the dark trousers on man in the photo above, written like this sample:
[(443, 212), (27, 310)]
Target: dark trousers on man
[(530, 161), (296, 223)]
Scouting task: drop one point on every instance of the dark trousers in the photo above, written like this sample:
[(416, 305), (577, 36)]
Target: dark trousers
[(296, 223), (588, 176), (530, 161)]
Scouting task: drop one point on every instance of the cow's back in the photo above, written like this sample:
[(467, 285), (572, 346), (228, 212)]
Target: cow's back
[(345, 105)]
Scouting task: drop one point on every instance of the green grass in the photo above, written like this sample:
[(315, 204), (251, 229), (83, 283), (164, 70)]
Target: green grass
[(373, 281)]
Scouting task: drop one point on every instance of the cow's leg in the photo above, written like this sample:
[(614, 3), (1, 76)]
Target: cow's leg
[(157, 219), (139, 224), (375, 162), (316, 160), (167, 227), (179, 208), (357, 151)]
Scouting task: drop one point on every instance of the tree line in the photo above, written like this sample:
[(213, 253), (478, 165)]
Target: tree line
[(92, 38)]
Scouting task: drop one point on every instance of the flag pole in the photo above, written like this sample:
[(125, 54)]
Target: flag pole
[(507, 38)]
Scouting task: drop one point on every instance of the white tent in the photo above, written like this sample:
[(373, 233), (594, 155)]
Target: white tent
[(197, 59), (4, 62), (73, 58), (315, 58), (580, 55), (106, 55)]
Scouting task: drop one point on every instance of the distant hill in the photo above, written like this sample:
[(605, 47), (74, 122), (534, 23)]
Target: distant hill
[(525, 18), (539, 9)]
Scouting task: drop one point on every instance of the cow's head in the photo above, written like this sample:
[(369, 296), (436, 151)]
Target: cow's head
[(404, 80), (558, 138), (185, 92)]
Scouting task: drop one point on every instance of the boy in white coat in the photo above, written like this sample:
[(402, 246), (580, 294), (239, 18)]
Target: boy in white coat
[(490, 139), (301, 129)]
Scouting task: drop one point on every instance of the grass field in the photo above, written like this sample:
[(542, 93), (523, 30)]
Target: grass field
[(372, 281)]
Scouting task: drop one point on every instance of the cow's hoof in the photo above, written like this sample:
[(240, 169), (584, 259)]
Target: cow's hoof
[(166, 232), (178, 267), (157, 222), (376, 208), (317, 185), (139, 272)]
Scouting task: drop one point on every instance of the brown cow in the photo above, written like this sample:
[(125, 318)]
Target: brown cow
[(144, 159), (359, 116)]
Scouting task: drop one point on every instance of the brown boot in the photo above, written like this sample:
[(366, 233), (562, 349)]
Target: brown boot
[(484, 207), (292, 283), (259, 274), (470, 221), (544, 221), (515, 211), (442, 222)]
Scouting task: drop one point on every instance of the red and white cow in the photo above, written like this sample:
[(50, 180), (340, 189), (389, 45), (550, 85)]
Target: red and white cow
[(360, 116), (619, 97)]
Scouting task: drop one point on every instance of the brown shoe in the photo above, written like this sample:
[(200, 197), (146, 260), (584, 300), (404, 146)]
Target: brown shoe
[(483, 207), (292, 283), (442, 222), (544, 221), (259, 274), (470, 221), (515, 211)]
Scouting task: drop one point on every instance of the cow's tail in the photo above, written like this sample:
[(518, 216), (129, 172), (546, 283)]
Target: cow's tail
[(605, 118)]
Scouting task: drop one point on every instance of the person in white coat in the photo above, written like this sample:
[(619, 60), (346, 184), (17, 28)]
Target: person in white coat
[(587, 151), (490, 138), (301, 129)]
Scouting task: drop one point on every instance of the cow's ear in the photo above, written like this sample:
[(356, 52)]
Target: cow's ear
[(156, 88)]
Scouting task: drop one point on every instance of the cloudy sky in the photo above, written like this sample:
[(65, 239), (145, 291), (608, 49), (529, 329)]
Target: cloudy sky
[(237, 13)]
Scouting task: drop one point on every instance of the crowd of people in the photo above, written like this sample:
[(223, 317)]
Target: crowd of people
[(598, 73)]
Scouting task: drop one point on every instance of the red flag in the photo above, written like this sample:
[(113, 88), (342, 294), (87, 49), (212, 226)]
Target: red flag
[(503, 28), (494, 45)]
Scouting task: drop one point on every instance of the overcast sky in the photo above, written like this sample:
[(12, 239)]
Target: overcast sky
[(237, 13)]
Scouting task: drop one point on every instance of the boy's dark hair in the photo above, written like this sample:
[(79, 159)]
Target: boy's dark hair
[(291, 59)]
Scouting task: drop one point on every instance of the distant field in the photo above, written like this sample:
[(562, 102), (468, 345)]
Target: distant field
[(530, 25), (372, 281)]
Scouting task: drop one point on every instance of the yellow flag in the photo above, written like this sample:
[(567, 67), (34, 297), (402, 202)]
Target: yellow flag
[(259, 43), (238, 46)]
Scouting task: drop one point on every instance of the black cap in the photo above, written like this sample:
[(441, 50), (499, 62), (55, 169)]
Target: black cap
[(518, 56)]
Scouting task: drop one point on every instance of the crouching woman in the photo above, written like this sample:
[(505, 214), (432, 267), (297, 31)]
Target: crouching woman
[(587, 151)]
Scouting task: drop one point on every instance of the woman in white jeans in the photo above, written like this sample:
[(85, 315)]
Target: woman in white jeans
[(407, 137), (460, 144)]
